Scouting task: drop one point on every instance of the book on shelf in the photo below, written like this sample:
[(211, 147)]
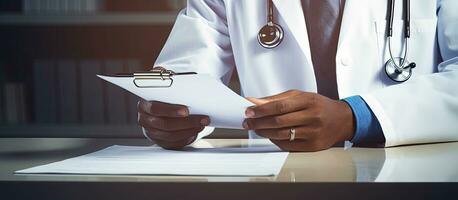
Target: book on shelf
[(2, 105), (91, 6), (92, 102), (67, 90), (44, 91), (116, 98), (15, 108), (61, 6), (10, 5)]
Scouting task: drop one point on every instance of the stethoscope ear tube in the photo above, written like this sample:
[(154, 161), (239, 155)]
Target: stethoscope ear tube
[(390, 18), (407, 20), (399, 69)]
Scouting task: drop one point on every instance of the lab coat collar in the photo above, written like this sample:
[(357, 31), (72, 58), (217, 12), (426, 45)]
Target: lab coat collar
[(292, 14), (346, 24)]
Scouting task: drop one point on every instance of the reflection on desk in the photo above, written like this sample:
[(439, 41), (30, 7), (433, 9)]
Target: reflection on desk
[(419, 163), (416, 163)]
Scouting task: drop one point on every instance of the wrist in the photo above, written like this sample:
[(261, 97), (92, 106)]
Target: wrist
[(348, 121)]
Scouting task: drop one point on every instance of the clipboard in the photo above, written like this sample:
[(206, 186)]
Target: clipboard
[(157, 78), (202, 93)]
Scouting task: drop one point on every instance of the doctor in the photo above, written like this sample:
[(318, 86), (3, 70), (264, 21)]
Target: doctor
[(370, 72)]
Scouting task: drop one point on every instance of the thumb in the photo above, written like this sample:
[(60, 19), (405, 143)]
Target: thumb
[(257, 101), (277, 97), (282, 95)]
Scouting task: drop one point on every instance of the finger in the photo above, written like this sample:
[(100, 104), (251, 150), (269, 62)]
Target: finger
[(302, 132), (282, 106), (299, 145), (173, 136), (257, 101), (282, 95), (160, 109), (297, 118), (173, 124)]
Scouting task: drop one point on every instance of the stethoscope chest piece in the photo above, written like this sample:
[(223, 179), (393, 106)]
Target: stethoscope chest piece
[(399, 69), (399, 74), (270, 35)]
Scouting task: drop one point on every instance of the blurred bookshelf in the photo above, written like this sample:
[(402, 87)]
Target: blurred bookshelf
[(74, 12), (51, 52), (162, 18), (88, 6)]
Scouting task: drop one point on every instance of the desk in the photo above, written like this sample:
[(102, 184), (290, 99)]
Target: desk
[(408, 171)]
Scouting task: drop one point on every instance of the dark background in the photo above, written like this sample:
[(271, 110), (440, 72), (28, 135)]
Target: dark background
[(50, 51)]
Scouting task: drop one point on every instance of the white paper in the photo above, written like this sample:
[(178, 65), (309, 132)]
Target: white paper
[(202, 94), (264, 160)]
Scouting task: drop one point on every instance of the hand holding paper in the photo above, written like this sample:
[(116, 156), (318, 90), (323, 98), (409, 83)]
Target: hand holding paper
[(203, 94)]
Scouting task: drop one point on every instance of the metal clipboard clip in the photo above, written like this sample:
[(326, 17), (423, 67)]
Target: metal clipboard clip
[(162, 75)]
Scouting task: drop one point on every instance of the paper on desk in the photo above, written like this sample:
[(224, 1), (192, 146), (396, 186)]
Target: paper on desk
[(202, 94), (153, 160)]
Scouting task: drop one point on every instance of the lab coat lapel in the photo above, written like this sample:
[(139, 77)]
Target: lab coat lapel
[(350, 9), (291, 12)]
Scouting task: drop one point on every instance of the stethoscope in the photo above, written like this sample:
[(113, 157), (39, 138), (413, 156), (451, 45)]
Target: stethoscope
[(270, 35), (398, 69)]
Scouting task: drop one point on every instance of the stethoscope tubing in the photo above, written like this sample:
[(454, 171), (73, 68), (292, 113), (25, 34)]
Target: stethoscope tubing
[(399, 66), (270, 12), (389, 35), (403, 58)]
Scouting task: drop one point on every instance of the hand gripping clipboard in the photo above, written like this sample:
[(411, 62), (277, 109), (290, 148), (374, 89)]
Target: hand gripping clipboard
[(157, 78), (202, 93)]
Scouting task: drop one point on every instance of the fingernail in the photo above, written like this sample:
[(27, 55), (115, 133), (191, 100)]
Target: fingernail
[(182, 112), (245, 125), (249, 113), (205, 121)]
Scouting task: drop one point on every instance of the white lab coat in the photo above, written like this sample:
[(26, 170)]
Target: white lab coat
[(215, 36)]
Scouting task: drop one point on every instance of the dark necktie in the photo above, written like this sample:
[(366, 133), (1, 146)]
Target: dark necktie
[(323, 18)]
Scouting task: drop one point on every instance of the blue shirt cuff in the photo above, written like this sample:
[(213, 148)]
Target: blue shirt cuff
[(368, 129)]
